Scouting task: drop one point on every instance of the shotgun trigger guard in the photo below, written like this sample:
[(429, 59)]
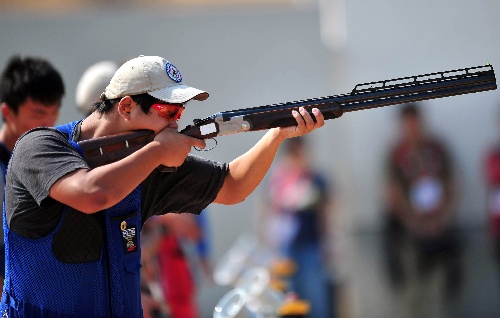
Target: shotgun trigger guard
[(205, 149)]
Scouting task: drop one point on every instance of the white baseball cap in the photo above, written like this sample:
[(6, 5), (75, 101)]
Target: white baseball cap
[(153, 75), (93, 81)]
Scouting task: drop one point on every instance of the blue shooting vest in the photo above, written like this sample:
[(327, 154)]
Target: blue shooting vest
[(88, 266)]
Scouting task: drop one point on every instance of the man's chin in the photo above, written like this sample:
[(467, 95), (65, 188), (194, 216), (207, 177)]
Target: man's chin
[(173, 125)]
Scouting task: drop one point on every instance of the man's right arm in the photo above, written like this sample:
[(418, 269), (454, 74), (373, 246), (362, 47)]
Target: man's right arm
[(90, 191), (47, 165)]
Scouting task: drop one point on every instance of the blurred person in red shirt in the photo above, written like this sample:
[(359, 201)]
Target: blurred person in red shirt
[(492, 178), (174, 260)]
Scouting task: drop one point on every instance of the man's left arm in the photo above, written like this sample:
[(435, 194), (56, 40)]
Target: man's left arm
[(247, 171)]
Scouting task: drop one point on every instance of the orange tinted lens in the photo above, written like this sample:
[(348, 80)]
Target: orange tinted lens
[(180, 111), (168, 111)]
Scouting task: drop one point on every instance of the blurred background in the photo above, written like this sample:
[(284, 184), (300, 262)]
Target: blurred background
[(248, 53)]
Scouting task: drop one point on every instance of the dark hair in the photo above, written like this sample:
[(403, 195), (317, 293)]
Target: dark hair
[(411, 109), (30, 77), (144, 100)]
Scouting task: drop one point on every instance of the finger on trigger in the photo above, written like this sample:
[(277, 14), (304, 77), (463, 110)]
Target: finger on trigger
[(199, 143)]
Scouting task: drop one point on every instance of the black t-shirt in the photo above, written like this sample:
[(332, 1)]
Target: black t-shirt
[(42, 156)]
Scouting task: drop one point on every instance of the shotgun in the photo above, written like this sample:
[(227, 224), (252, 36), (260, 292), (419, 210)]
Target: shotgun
[(363, 96)]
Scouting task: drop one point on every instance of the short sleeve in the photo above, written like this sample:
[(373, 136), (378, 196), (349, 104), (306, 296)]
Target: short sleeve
[(188, 190), (40, 158)]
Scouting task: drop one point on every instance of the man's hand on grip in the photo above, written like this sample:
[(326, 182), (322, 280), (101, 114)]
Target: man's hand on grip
[(174, 147)]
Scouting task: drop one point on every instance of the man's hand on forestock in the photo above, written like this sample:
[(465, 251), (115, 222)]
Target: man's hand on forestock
[(305, 123)]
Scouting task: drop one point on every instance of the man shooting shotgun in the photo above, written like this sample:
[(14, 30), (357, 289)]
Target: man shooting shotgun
[(73, 226)]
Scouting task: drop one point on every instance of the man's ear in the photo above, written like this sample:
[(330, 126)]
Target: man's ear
[(7, 112), (125, 106)]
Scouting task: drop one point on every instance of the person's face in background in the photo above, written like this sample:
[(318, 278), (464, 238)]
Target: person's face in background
[(412, 128), (30, 114), (298, 154)]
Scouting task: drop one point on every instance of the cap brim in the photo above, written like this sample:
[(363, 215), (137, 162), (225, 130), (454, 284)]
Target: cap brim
[(178, 94)]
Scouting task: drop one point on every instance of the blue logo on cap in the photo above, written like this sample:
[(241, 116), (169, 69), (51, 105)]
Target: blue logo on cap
[(173, 73)]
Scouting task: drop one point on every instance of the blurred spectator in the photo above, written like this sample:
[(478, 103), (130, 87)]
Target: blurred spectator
[(92, 83), (492, 178), (423, 247), (296, 224), (180, 261), (31, 90)]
